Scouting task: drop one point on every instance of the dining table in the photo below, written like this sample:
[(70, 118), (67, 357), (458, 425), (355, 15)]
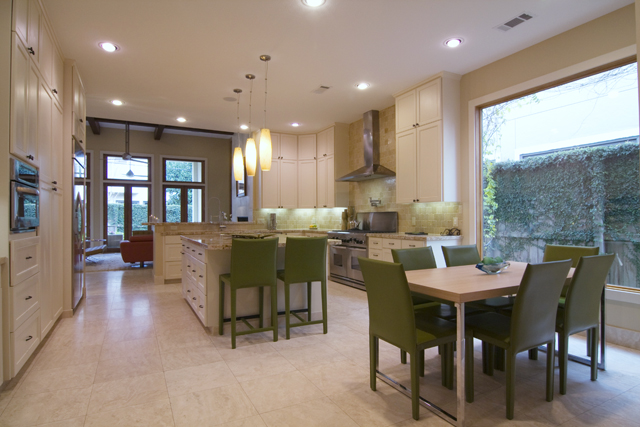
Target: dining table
[(459, 285)]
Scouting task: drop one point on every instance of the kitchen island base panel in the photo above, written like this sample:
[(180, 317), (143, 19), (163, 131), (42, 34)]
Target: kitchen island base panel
[(219, 262)]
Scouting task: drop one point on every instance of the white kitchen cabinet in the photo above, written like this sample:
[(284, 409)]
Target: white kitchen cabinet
[(270, 183), (57, 79), (323, 182), (33, 30), (288, 147), (275, 146), (426, 151), (47, 50), (56, 282), (307, 147), (57, 142), (21, 18), (307, 177), (280, 185), (78, 109), (325, 143), (45, 107)]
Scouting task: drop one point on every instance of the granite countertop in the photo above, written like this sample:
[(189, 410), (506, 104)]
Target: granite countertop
[(239, 231), (404, 236), (222, 241)]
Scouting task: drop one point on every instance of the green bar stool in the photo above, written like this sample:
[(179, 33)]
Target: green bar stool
[(253, 264), (305, 261)]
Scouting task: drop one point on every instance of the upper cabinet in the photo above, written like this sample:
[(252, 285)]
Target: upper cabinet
[(325, 143), (427, 134), (307, 147), (284, 147), (78, 112), (333, 162)]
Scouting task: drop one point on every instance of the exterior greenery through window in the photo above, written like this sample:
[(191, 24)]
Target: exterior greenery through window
[(183, 188), (562, 167)]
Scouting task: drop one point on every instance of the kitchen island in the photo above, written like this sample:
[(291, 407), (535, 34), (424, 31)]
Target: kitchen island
[(205, 258)]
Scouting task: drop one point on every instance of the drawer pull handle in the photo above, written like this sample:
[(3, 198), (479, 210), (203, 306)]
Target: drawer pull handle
[(31, 51), (199, 253), (188, 290), (28, 298), (54, 91), (193, 271), (193, 250), (201, 306), (194, 298), (201, 276), (29, 338), (29, 257), (182, 253)]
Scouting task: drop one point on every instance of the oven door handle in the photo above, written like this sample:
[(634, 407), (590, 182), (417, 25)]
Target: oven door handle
[(28, 190)]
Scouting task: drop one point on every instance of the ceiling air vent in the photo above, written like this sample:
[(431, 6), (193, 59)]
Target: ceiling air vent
[(514, 22), (321, 90)]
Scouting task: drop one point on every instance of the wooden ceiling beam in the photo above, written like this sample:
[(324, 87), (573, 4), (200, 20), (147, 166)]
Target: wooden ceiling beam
[(157, 134), (95, 125), (165, 127)]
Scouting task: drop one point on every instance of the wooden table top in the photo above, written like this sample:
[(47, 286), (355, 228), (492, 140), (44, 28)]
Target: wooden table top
[(466, 283)]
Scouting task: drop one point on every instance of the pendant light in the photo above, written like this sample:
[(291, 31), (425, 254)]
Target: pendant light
[(250, 148), (265, 133), (238, 164)]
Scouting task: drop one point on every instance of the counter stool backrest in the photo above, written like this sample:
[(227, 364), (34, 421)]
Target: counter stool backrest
[(305, 259), (455, 256), (560, 252), (414, 258), (533, 321), (253, 262)]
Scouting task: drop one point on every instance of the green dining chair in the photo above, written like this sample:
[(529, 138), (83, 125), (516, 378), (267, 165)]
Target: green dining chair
[(581, 310), (393, 319), (253, 264), (531, 324), (305, 261)]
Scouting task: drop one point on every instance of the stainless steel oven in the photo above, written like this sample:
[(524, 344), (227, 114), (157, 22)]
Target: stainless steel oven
[(25, 197)]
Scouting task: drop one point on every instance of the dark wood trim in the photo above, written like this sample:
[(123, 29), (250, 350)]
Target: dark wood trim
[(184, 200), (164, 170), (157, 133), (87, 166), (95, 125), (127, 206), (104, 169), (152, 125)]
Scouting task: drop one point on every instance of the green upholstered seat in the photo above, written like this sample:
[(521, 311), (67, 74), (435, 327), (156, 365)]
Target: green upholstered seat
[(393, 319), (532, 324), (580, 310), (253, 264), (305, 260)]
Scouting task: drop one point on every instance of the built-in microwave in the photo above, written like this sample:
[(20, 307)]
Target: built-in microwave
[(25, 197)]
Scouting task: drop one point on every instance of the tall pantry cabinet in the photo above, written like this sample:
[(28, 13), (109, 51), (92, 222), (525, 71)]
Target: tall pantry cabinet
[(34, 299)]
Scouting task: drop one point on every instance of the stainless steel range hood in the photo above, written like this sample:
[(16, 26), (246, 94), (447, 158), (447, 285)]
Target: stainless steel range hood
[(372, 168)]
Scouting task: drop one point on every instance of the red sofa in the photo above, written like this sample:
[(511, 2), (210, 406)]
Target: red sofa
[(137, 249)]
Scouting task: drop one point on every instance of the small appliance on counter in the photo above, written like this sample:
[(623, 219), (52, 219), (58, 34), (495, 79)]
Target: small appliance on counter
[(343, 264)]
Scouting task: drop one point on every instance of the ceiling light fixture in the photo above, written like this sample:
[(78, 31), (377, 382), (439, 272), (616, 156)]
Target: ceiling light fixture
[(109, 47), (313, 3), (238, 163), (250, 147), (117, 102), (244, 127), (295, 125), (453, 42), (265, 133), (363, 86), (181, 119)]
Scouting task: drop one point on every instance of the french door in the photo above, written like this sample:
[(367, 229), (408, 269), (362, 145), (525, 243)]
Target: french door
[(126, 208)]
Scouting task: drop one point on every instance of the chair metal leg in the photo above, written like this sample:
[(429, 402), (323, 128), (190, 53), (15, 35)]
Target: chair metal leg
[(550, 363), (563, 360), (221, 308), (373, 360), (444, 364), (415, 384), (533, 354), (287, 310), (421, 362), (468, 366), (511, 383), (594, 352), (499, 362), (261, 307), (485, 357), (403, 357), (308, 301), (589, 353), (233, 317), (491, 359), (325, 323), (274, 310), (450, 368)]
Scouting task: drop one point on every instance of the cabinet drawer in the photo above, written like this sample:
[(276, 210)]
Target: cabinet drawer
[(25, 300), (172, 240), (173, 252), (173, 269), (195, 251), (25, 340), (392, 243), (375, 254), (25, 259), (408, 244), (200, 278), (386, 255), (375, 242), (200, 306)]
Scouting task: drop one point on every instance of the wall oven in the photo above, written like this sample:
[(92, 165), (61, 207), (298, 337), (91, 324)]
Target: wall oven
[(25, 197)]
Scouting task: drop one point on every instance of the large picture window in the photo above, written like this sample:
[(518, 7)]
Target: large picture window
[(184, 190), (134, 169), (561, 166)]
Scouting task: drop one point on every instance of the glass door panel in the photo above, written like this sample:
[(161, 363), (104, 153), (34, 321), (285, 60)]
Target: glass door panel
[(139, 208), (194, 205), (172, 204), (115, 215)]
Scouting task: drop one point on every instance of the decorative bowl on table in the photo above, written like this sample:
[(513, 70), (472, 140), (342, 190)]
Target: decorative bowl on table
[(492, 265)]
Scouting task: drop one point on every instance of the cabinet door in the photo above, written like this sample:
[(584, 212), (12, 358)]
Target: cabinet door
[(288, 184), (321, 144), (330, 141), (56, 277), (44, 231), (306, 147), (33, 29), (19, 99), (406, 111), (270, 182), (322, 182), (307, 184), (275, 146), (47, 50), (331, 183), (56, 144), (33, 96), (406, 167), (429, 102), (21, 18), (45, 151), (288, 147), (57, 83), (430, 163)]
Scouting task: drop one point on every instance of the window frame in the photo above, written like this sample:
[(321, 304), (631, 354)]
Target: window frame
[(176, 159), (183, 200), (105, 169)]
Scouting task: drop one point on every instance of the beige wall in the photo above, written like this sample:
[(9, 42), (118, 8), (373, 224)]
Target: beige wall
[(217, 153)]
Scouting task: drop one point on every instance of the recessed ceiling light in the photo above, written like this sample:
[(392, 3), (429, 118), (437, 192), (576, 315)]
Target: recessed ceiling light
[(363, 86), (295, 125), (313, 3), (109, 47), (116, 102), (453, 42), (244, 127), (181, 119)]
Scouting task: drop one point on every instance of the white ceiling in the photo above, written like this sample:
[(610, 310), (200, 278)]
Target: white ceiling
[(182, 57)]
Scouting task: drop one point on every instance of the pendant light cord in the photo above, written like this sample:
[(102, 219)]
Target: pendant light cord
[(250, 96), (266, 72)]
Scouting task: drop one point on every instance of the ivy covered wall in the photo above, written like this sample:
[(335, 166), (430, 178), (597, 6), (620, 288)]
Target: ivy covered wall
[(587, 196)]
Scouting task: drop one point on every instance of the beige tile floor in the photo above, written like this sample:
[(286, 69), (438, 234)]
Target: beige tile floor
[(135, 355)]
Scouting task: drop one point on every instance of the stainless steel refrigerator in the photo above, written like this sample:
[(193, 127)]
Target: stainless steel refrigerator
[(79, 223)]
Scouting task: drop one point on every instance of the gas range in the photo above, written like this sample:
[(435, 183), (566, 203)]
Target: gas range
[(352, 238)]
